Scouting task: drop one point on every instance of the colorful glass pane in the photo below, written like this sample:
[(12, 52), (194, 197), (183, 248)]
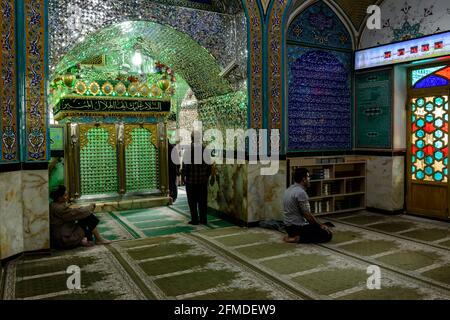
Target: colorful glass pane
[(420, 175), (431, 81), (445, 73), (418, 75), (420, 102), (430, 139)]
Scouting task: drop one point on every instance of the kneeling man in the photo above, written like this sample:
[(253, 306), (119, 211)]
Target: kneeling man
[(301, 225)]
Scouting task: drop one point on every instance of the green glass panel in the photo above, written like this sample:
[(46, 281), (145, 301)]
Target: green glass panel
[(98, 164), (142, 162)]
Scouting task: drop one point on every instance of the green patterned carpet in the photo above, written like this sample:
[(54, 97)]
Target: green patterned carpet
[(154, 222), (161, 221), (241, 264)]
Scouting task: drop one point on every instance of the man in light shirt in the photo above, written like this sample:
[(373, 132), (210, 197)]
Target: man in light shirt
[(301, 225)]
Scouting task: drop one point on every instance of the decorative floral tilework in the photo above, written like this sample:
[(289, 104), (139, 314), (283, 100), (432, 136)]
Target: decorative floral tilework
[(8, 120), (36, 124)]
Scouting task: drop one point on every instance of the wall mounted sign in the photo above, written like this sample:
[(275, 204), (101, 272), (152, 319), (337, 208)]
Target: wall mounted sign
[(434, 46)]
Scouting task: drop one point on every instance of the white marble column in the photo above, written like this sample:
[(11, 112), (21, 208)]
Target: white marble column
[(11, 214), (36, 221), (24, 212)]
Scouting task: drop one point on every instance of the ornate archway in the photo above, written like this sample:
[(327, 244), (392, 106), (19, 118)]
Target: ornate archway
[(190, 60)]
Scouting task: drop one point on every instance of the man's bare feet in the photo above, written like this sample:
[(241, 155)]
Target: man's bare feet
[(102, 242), (291, 240), (86, 243)]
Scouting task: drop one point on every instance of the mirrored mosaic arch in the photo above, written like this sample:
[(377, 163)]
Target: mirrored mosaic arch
[(429, 139), (174, 48)]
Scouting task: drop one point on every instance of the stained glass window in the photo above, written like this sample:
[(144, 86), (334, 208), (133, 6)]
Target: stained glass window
[(430, 139), (419, 74), (430, 77)]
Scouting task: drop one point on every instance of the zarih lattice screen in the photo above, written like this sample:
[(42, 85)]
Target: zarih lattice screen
[(429, 139), (141, 158), (98, 160)]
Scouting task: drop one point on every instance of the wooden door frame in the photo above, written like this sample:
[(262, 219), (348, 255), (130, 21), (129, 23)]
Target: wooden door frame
[(443, 91)]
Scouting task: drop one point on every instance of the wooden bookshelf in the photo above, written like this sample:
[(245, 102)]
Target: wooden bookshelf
[(338, 184)]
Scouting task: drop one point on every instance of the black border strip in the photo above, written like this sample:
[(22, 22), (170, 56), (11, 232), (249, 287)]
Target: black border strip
[(6, 167)]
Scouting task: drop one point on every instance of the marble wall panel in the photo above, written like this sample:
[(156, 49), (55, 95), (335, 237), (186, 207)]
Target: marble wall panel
[(379, 182), (11, 218), (255, 193), (385, 182), (398, 183), (229, 192), (265, 193), (36, 221)]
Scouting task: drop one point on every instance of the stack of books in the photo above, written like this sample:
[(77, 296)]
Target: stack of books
[(317, 174)]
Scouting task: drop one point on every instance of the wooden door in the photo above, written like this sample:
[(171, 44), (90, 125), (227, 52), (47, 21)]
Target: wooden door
[(427, 161)]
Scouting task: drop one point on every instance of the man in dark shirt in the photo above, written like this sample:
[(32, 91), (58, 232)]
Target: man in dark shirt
[(195, 173)]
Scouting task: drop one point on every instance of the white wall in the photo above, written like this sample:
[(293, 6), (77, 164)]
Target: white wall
[(411, 18)]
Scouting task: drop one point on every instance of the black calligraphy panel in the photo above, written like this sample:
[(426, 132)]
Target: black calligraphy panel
[(320, 100), (112, 105)]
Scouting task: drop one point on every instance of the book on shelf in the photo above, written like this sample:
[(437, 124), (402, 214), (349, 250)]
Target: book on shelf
[(326, 189), (320, 174), (322, 207), (331, 189)]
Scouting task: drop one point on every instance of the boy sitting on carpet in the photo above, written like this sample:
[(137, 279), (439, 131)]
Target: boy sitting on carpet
[(70, 227)]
